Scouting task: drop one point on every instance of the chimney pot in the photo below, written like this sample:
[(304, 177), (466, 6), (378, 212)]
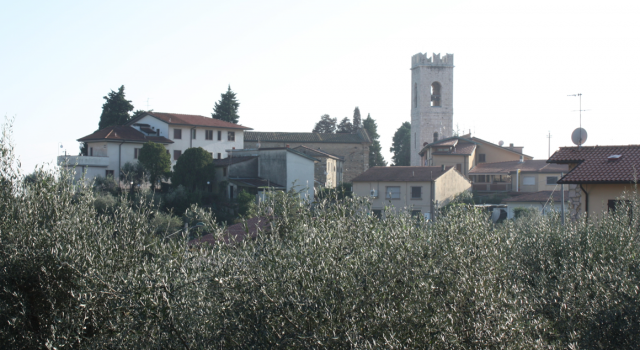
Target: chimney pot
[(443, 168), (511, 145)]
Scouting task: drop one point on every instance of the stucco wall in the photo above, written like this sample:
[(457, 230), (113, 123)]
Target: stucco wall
[(363, 189), (451, 160), (540, 182), (497, 154), (300, 174), (356, 155), (599, 196), (448, 185)]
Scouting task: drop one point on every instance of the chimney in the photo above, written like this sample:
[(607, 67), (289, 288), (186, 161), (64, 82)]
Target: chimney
[(443, 168), (521, 159), (511, 146), (158, 132)]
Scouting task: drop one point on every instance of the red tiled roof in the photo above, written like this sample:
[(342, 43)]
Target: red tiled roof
[(401, 173), (541, 196), (189, 119), (315, 152), (537, 166), (595, 166), (461, 148), (122, 133)]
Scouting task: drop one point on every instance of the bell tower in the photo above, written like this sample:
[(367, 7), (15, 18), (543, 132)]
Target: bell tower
[(431, 101)]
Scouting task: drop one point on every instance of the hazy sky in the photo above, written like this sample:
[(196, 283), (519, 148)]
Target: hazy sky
[(292, 61)]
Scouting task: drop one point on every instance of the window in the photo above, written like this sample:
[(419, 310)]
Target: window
[(208, 134), (435, 137), (481, 178), (224, 171), (552, 180), (482, 158), (231, 136), (416, 192), (91, 151), (416, 213), (377, 213), (612, 204), (529, 180), (193, 134), (136, 153), (393, 192), (176, 154), (109, 173), (459, 168), (435, 94), (415, 95), (177, 134), (219, 135), (168, 152), (219, 155)]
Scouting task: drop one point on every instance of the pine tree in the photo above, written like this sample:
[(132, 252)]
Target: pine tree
[(375, 150), (227, 108), (345, 126), (326, 125), (115, 111), (401, 147), (357, 119)]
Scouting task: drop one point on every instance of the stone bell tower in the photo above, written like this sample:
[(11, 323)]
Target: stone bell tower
[(431, 101)]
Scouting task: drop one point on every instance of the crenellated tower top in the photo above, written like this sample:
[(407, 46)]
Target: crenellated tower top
[(422, 59)]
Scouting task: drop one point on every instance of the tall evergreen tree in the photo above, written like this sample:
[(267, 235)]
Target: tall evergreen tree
[(345, 126), (375, 150), (115, 111), (326, 125), (227, 108), (357, 119), (401, 147)]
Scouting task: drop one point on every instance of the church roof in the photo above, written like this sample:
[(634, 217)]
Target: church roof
[(360, 136)]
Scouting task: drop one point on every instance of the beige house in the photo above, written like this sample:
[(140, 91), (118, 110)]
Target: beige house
[(466, 152), (598, 176), (517, 176), (328, 171), (422, 190)]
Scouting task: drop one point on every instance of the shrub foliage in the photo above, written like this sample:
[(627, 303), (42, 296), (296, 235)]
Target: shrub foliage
[(330, 275)]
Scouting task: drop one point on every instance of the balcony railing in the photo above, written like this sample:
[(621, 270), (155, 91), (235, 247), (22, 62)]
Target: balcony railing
[(83, 161), (494, 187)]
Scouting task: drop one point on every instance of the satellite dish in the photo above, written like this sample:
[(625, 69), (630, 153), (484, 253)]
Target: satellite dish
[(501, 143), (579, 136)]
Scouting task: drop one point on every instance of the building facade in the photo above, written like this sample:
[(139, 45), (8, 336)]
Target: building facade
[(431, 101)]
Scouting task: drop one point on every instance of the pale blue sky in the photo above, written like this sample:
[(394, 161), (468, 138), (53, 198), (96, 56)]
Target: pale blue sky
[(292, 61)]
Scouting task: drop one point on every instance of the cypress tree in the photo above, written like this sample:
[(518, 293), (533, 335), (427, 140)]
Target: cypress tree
[(401, 147), (357, 119), (115, 111), (227, 108), (375, 150)]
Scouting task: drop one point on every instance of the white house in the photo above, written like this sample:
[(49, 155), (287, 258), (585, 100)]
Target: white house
[(110, 148)]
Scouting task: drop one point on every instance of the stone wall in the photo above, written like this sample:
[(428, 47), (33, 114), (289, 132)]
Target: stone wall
[(575, 195)]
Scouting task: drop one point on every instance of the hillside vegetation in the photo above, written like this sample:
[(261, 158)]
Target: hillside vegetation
[(325, 276)]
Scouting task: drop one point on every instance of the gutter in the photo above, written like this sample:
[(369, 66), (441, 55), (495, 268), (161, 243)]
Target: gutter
[(119, 160), (586, 201)]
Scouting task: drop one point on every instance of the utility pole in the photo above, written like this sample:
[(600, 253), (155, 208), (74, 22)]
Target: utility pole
[(549, 137)]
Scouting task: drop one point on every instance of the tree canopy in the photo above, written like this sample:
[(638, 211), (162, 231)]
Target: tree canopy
[(375, 150), (115, 111), (193, 169), (155, 159), (401, 147), (345, 126), (326, 125), (227, 108), (357, 119)]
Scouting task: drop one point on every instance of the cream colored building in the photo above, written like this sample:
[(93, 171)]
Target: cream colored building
[(517, 176), (598, 177), (545, 202), (466, 152), (421, 190)]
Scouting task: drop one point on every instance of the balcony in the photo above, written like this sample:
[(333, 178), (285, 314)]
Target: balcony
[(83, 161), (492, 187)]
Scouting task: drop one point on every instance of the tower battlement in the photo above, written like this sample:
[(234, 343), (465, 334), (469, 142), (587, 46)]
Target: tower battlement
[(422, 59)]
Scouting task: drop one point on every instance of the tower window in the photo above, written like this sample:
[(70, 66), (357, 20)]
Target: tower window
[(435, 137), (415, 95), (435, 94)]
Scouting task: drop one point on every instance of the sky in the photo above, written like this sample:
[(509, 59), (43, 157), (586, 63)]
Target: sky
[(292, 61)]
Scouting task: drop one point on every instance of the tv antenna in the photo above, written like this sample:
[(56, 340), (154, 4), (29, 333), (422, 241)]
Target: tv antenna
[(148, 104), (579, 135), (549, 137)]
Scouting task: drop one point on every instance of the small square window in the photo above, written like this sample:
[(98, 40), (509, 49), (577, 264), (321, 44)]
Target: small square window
[(231, 136), (177, 134), (416, 192), (416, 213), (208, 134), (377, 213), (176, 154), (552, 180), (136, 153), (219, 155), (482, 158), (219, 135), (109, 173), (193, 134), (392, 192), (529, 180)]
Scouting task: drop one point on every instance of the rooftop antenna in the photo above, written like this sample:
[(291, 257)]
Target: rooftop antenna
[(549, 137), (580, 133), (148, 104)]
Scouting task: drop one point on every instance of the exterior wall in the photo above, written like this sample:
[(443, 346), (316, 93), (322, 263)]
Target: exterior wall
[(451, 160), (244, 169), (540, 206), (448, 185), (427, 119), (497, 154), (599, 196), (363, 189), (299, 175), (356, 155), (156, 124), (540, 182), (326, 172), (213, 146)]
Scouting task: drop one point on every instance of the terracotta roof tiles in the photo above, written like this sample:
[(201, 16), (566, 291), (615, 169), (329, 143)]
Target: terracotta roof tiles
[(122, 133), (190, 119), (401, 173), (537, 166), (595, 164)]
